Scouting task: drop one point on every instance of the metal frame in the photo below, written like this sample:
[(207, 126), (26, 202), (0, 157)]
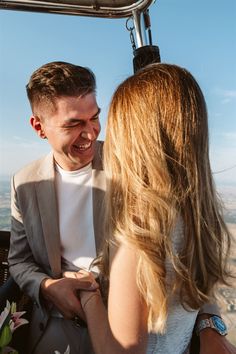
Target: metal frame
[(92, 8)]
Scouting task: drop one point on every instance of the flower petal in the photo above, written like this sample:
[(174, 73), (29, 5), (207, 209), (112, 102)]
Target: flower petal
[(16, 324)]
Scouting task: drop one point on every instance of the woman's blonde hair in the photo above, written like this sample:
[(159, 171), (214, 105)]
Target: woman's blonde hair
[(156, 159)]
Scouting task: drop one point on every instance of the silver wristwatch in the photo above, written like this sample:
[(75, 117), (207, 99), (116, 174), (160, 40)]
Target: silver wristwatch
[(214, 322)]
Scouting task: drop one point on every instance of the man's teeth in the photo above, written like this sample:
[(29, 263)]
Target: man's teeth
[(83, 146)]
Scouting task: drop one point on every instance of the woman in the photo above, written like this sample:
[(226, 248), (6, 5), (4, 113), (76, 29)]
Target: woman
[(168, 243)]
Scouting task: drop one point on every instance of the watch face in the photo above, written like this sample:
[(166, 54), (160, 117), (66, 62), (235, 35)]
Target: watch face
[(219, 325)]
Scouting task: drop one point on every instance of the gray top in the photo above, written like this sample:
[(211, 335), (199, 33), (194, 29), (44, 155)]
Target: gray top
[(180, 322)]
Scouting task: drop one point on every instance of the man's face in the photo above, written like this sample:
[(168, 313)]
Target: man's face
[(71, 130)]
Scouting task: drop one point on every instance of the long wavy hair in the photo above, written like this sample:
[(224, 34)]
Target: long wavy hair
[(156, 158)]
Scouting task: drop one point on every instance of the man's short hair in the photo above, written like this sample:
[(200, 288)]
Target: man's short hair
[(58, 79)]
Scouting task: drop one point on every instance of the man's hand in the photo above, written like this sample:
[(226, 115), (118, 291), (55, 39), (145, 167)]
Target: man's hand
[(212, 342), (63, 294)]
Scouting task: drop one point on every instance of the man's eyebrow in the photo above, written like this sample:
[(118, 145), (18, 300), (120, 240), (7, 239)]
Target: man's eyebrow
[(76, 120)]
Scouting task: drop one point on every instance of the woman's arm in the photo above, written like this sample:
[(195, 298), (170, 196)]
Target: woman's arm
[(123, 327)]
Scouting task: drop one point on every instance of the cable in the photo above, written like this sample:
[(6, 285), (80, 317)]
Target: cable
[(224, 170)]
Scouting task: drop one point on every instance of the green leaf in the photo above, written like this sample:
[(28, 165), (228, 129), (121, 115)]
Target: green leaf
[(6, 336), (5, 323)]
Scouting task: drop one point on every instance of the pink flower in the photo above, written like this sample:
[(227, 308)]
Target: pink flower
[(16, 320), (10, 320)]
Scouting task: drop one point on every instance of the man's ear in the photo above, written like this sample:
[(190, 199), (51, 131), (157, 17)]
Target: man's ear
[(37, 126)]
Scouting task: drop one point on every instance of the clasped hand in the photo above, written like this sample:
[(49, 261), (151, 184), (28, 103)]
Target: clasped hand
[(63, 292)]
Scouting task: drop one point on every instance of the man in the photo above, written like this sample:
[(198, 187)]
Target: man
[(57, 207), (57, 202)]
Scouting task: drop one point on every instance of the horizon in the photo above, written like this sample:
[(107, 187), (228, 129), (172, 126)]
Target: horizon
[(218, 184)]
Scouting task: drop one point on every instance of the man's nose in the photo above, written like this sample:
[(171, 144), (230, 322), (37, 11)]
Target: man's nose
[(89, 133)]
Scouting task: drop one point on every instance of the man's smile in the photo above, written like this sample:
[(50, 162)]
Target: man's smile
[(83, 147)]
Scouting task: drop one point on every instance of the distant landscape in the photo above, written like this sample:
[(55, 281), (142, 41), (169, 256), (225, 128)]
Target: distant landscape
[(5, 212), (226, 295)]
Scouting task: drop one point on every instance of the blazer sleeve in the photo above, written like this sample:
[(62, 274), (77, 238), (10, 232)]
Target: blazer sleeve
[(23, 267)]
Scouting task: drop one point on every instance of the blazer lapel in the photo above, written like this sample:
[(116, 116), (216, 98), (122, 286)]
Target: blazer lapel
[(46, 195)]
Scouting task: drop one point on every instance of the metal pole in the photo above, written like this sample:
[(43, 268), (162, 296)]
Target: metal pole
[(140, 33)]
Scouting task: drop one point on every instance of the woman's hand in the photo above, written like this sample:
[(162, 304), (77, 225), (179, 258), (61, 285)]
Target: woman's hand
[(64, 293), (85, 295), (83, 276)]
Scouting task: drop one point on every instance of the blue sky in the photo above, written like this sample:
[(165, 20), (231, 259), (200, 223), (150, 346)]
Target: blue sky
[(199, 35)]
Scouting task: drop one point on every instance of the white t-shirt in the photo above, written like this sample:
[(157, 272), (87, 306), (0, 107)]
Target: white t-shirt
[(75, 208)]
